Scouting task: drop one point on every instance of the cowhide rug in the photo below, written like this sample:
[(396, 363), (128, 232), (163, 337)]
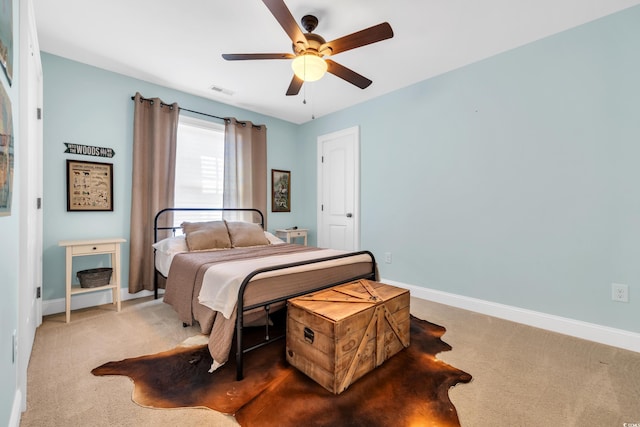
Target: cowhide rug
[(410, 389)]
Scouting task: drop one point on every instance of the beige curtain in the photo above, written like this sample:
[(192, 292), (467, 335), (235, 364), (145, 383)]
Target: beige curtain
[(245, 173), (155, 126)]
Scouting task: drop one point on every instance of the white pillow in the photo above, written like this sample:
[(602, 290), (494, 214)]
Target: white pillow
[(172, 245), (273, 239), (177, 244)]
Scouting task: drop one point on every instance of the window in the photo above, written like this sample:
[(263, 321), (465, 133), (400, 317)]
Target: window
[(199, 166)]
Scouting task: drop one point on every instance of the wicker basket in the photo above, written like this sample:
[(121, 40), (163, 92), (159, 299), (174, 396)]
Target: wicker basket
[(94, 277)]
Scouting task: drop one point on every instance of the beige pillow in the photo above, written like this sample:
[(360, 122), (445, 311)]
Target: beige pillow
[(245, 234), (188, 227), (206, 235)]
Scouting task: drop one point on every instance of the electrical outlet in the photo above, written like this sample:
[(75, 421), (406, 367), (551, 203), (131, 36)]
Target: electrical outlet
[(387, 257), (619, 292)]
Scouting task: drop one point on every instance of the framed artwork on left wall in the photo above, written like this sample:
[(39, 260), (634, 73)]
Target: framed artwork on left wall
[(6, 38), (6, 153), (89, 186)]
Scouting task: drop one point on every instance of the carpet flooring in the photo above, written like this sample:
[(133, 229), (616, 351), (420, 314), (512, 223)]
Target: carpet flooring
[(522, 376)]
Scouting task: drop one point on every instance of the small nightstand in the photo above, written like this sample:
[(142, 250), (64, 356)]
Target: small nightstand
[(93, 247), (287, 234)]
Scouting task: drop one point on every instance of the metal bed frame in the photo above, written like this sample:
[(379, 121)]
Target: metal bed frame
[(266, 305)]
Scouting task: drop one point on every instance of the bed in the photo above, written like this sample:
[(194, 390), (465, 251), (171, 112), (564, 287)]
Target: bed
[(230, 274)]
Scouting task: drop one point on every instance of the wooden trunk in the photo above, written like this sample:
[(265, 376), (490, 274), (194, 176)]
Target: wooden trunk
[(337, 335)]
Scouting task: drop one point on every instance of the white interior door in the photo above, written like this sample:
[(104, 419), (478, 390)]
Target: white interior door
[(30, 161), (339, 190)]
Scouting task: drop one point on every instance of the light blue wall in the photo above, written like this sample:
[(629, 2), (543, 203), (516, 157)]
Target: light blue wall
[(9, 232), (512, 180), (91, 106)]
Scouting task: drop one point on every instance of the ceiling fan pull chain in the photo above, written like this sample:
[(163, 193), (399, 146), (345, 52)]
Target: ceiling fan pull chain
[(313, 116), (304, 100), (304, 94)]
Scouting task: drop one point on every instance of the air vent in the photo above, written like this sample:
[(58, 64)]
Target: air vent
[(221, 90)]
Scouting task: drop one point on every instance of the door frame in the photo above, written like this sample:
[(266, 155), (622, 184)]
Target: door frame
[(31, 189), (355, 132)]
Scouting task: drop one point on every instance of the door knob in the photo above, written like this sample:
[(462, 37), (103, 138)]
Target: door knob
[(349, 215)]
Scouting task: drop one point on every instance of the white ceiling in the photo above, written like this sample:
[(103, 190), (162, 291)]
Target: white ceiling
[(178, 44)]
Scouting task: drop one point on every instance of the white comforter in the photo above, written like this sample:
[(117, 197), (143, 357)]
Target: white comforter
[(221, 282)]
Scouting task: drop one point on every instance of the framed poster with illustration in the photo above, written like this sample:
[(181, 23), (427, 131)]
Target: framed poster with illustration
[(6, 153), (6, 38), (280, 191), (89, 186)]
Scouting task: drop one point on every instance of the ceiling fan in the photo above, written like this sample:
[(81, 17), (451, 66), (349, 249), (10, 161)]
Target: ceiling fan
[(310, 48)]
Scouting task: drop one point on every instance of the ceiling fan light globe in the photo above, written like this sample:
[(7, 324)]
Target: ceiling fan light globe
[(309, 68)]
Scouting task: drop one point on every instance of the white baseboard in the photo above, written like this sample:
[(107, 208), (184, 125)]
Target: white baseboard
[(589, 331), (90, 299), (575, 328), (16, 413)]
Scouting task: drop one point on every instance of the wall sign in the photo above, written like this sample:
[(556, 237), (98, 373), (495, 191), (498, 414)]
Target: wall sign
[(89, 150)]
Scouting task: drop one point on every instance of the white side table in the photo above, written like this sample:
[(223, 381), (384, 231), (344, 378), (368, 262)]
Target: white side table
[(93, 247), (287, 234)]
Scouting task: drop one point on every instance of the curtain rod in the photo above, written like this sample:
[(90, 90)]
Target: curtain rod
[(133, 98)]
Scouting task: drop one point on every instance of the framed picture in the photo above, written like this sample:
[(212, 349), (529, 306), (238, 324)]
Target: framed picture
[(89, 186), (6, 153), (280, 191), (6, 38)]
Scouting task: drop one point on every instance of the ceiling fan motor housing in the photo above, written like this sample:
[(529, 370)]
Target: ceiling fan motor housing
[(314, 41), (314, 44)]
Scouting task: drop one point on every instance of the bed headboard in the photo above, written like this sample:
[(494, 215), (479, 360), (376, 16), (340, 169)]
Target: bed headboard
[(166, 214)]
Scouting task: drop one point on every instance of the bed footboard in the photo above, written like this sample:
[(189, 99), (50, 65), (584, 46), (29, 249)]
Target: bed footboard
[(242, 308)]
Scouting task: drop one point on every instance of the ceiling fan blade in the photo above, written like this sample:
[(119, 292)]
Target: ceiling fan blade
[(361, 38), (282, 14), (294, 87), (249, 56), (346, 74)]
